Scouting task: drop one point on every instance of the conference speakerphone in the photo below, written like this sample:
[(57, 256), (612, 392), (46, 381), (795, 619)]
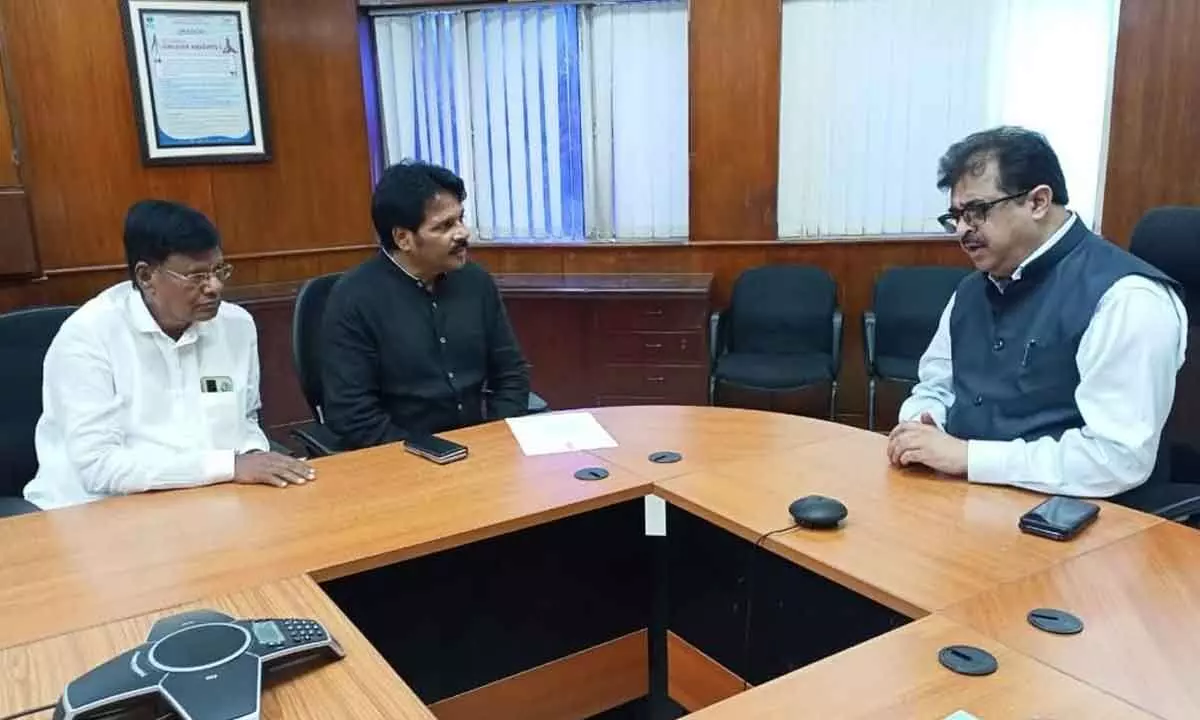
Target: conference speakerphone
[(200, 665)]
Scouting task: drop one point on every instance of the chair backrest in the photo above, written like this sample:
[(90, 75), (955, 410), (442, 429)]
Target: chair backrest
[(25, 335), (306, 336), (908, 302), (1169, 239), (782, 309)]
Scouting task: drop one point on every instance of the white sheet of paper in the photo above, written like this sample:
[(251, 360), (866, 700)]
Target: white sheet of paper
[(961, 715), (559, 433)]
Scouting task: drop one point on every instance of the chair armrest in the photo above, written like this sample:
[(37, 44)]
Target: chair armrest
[(1161, 497), (318, 440), (714, 337), (13, 506), (1178, 508), (534, 404), (280, 448), (868, 322), (838, 334)]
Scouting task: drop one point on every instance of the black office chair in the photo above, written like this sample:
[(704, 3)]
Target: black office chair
[(318, 440), (25, 335), (1169, 239), (316, 437), (904, 314), (782, 332)]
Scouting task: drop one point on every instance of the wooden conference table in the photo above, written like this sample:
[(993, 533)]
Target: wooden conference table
[(939, 562)]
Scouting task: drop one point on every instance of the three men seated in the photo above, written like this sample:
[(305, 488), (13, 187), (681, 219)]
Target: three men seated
[(1053, 368)]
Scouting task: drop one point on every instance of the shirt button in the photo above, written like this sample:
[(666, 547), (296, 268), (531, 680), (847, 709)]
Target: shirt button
[(450, 375), (460, 407), (978, 400), (435, 306), (442, 340), (998, 345)]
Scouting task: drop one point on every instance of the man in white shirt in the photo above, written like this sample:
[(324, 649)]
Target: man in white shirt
[(1053, 368), (153, 384)]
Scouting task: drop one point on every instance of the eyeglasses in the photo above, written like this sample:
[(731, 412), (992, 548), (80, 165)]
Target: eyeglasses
[(221, 272), (973, 213)]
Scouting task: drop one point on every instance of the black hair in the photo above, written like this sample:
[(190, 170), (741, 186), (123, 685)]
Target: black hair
[(403, 192), (1023, 157), (156, 229)]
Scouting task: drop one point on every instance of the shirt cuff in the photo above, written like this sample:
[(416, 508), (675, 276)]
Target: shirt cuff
[(257, 442), (912, 413), (218, 466), (986, 460)]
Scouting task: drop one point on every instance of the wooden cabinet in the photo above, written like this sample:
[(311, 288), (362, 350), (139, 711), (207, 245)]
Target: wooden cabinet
[(611, 339)]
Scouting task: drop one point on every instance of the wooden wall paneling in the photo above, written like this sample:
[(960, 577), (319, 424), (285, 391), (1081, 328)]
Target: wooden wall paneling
[(734, 51), (82, 164), (304, 213), (18, 249), (251, 270), (9, 177), (316, 190), (18, 253), (1154, 138)]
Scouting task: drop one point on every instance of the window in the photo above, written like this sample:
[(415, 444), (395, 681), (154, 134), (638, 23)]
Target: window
[(874, 91), (567, 121)]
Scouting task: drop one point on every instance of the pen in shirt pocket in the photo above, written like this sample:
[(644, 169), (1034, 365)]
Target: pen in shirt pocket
[(1029, 346)]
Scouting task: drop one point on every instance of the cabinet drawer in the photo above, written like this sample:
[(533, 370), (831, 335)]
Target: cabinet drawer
[(648, 348), (665, 314), (653, 380)]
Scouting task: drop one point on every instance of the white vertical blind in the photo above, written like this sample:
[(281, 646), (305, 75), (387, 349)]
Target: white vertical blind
[(874, 91), (544, 112), (639, 71)]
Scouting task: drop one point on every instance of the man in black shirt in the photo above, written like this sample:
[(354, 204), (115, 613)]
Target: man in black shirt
[(411, 338)]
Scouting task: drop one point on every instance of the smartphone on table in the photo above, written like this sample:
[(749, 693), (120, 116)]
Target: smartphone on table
[(435, 449), (1059, 518)]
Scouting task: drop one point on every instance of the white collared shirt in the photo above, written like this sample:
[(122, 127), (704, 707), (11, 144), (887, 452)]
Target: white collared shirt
[(1127, 358), (125, 407)]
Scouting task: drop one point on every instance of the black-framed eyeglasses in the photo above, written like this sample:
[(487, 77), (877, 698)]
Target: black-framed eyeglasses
[(221, 272), (973, 213)]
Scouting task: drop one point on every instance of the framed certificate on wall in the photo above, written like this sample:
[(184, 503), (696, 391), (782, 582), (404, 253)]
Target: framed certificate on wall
[(196, 89)]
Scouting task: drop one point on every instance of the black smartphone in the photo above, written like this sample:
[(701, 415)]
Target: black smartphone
[(435, 449), (1059, 518)]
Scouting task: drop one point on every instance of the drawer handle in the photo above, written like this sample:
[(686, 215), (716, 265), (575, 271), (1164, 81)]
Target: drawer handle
[(654, 313), (653, 346), (656, 379)]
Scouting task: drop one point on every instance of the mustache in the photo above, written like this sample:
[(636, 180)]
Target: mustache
[(971, 238), (460, 245)]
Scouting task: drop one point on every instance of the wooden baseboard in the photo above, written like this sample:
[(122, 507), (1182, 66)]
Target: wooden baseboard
[(573, 688), (694, 680)]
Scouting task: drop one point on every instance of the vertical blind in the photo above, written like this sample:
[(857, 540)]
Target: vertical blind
[(639, 89), (874, 91), (543, 112)]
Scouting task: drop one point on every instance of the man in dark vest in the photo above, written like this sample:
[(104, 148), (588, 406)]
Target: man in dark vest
[(1053, 367)]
